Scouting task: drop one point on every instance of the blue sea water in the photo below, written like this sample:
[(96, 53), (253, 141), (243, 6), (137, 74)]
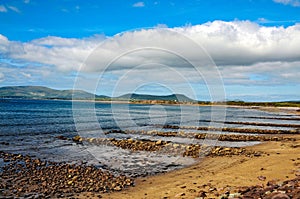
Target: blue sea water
[(32, 126)]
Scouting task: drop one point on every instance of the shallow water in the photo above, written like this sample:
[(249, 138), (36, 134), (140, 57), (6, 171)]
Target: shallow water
[(32, 126)]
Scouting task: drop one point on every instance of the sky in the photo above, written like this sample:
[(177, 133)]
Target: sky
[(208, 50)]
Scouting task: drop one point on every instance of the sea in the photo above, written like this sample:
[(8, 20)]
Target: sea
[(33, 127)]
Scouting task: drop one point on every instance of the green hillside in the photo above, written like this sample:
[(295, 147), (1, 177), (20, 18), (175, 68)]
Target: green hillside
[(40, 92), (140, 97)]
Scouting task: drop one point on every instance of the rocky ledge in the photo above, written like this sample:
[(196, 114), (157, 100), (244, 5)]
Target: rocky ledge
[(233, 130), (190, 150), (214, 136)]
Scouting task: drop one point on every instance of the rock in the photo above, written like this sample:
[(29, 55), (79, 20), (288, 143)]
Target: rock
[(234, 195), (280, 196), (179, 194), (77, 138), (159, 142), (261, 178), (130, 140), (117, 188), (61, 137), (202, 194), (4, 143), (45, 179)]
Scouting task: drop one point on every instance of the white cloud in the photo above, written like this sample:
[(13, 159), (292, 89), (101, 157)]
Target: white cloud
[(295, 3), (139, 4), (13, 8), (64, 54), (241, 49), (26, 1), (3, 8), (228, 43)]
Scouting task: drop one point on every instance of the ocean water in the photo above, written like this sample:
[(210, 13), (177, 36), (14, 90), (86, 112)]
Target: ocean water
[(32, 126)]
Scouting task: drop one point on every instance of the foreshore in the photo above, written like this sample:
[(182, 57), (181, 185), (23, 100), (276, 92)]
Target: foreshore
[(229, 176), (221, 175), (269, 168), (259, 171)]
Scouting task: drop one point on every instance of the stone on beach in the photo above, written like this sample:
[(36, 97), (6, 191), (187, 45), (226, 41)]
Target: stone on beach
[(24, 175)]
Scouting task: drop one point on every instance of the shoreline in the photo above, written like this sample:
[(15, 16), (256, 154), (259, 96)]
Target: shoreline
[(215, 176), (208, 173), (277, 163), (291, 109), (218, 175)]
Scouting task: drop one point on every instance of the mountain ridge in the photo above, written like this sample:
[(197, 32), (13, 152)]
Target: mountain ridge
[(42, 92)]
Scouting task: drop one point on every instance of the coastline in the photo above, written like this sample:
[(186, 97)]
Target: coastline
[(204, 176), (215, 176), (286, 109), (280, 162), (291, 110)]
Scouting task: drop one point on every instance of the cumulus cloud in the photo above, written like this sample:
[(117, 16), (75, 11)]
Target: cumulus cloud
[(64, 54), (139, 4), (246, 54), (228, 43), (295, 3)]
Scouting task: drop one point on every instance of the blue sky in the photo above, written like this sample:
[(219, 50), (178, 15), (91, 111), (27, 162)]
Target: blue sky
[(65, 18), (48, 43)]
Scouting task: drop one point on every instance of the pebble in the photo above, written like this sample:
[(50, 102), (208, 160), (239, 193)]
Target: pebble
[(24, 176), (281, 196), (192, 150), (179, 194)]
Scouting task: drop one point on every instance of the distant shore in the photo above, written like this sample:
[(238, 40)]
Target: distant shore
[(286, 109)]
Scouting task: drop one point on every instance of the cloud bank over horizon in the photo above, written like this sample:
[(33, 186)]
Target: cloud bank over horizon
[(245, 53)]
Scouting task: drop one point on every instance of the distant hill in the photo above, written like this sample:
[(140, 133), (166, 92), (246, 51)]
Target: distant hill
[(140, 97), (40, 92)]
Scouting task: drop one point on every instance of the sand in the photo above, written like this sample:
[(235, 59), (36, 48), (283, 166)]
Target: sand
[(279, 163)]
